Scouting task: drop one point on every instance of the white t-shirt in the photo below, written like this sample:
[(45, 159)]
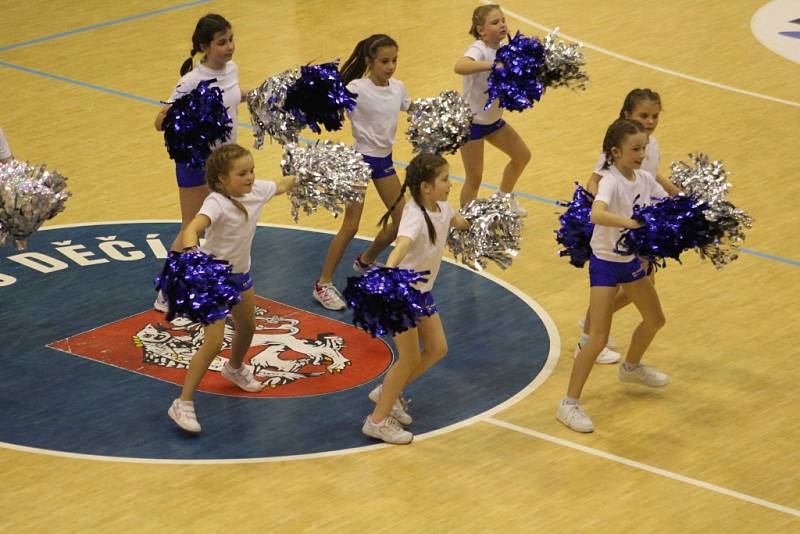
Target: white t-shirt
[(227, 80), (476, 85), (422, 255), (374, 119), (620, 194), (652, 158), (230, 236), (5, 150)]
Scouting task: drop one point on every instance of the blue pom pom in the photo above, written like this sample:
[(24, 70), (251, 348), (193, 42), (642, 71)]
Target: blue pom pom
[(320, 97), (197, 287), (384, 300), (194, 123), (669, 228), (515, 75), (575, 233)]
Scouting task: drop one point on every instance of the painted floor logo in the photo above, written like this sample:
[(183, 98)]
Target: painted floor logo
[(777, 26), (295, 352), (88, 367)]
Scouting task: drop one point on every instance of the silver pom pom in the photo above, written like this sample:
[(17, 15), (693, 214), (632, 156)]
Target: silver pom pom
[(331, 175), (563, 63), (267, 117), (708, 181), (494, 233), (29, 195), (439, 125)]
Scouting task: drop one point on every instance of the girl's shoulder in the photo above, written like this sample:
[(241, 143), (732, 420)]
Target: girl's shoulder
[(477, 48)]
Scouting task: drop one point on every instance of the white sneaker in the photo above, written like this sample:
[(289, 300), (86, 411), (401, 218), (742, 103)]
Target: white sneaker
[(361, 268), (398, 410), (519, 210), (512, 201), (329, 296), (161, 304), (644, 375), (575, 418), (611, 344), (243, 377), (606, 356), (388, 430), (182, 412)]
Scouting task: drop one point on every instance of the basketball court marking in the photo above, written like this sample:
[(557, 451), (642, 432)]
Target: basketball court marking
[(644, 467)]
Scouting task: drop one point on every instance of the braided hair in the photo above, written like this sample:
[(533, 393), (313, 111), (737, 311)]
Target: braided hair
[(423, 168)]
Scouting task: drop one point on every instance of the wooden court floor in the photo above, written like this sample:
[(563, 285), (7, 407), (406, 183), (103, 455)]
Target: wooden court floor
[(715, 452)]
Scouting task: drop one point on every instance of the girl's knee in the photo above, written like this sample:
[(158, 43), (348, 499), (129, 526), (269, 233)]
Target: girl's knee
[(656, 322), (349, 230), (523, 156), (214, 345)]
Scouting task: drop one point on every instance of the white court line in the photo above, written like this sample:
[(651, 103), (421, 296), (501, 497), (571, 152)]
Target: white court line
[(645, 467), (648, 65)]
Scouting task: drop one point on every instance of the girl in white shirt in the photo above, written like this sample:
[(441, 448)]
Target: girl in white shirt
[(489, 28), (228, 216), (623, 184), (380, 100), (420, 243), (643, 105), (212, 37)]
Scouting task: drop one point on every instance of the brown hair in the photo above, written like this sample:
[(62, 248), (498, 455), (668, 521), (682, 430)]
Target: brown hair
[(207, 27), (356, 64), (423, 168), (219, 163), (636, 96), (616, 134), (479, 17)]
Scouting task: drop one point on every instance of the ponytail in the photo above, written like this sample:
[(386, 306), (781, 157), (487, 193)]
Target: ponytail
[(204, 32), (366, 49), (189, 63), (385, 219)]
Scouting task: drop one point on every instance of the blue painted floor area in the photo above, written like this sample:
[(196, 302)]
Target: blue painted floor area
[(55, 400)]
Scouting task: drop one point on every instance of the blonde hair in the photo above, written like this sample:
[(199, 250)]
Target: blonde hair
[(479, 17), (219, 163)]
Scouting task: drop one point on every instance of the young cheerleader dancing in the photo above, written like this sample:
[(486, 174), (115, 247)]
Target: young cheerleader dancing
[(380, 100), (489, 29), (623, 184), (420, 243), (228, 216), (212, 37), (642, 105)]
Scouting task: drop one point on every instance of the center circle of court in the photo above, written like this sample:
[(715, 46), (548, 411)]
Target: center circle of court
[(80, 286)]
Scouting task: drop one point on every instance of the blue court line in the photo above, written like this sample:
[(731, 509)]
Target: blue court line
[(309, 141), (102, 25)]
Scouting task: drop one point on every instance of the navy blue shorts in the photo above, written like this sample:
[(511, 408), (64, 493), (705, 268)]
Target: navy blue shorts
[(381, 167), (612, 273), (479, 131), (241, 281), (190, 176)]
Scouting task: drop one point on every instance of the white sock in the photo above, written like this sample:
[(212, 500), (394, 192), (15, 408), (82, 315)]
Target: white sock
[(569, 401), (630, 366)]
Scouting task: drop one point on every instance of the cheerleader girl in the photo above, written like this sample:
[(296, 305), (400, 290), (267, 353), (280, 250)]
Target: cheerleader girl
[(213, 38), (228, 216), (380, 100), (420, 243), (489, 29), (623, 183), (643, 105)]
